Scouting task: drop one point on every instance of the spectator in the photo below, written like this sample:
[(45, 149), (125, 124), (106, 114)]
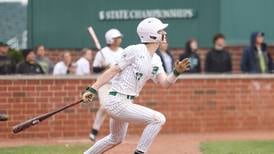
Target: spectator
[(191, 49), (218, 60), (42, 60), (166, 57), (83, 64), (7, 64), (29, 65), (256, 58), (65, 66)]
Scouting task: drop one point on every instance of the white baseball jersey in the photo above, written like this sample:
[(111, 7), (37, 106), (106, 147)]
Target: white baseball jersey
[(107, 57), (82, 67), (137, 67), (60, 68)]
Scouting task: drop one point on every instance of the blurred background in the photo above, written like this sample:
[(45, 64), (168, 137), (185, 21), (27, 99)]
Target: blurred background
[(227, 95), (63, 24)]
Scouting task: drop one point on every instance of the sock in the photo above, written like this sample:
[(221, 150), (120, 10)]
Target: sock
[(138, 152), (94, 132)]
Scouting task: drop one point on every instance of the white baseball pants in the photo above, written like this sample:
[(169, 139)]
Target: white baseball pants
[(101, 113), (122, 112)]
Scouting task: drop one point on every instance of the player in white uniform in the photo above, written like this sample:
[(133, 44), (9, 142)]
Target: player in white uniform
[(104, 59), (138, 64)]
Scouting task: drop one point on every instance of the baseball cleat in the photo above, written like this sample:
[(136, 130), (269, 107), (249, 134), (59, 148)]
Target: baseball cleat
[(138, 152), (92, 137)]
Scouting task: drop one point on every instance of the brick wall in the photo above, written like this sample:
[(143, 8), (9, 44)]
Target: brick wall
[(235, 51), (204, 103)]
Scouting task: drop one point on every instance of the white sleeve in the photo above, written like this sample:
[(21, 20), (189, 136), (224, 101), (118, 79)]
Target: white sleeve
[(127, 58), (83, 67), (98, 60), (157, 68), (56, 70), (86, 68)]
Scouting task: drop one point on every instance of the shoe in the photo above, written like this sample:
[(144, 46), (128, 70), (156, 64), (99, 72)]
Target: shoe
[(92, 137), (4, 117), (138, 152)]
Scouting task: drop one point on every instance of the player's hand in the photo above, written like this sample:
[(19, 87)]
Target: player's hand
[(89, 95), (181, 66)]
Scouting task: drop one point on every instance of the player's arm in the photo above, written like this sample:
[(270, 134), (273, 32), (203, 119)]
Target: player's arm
[(180, 67), (126, 60), (91, 92), (106, 77), (121, 64)]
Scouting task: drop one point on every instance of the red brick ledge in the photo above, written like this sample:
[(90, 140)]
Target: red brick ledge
[(186, 76)]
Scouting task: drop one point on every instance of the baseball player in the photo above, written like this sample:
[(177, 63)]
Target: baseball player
[(138, 64), (104, 59)]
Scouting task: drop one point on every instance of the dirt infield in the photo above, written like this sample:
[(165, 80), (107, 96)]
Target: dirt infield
[(167, 143)]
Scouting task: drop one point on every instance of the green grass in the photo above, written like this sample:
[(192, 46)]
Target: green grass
[(218, 147), (47, 149), (238, 147)]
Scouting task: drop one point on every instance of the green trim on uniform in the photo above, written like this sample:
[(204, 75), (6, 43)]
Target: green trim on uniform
[(114, 93), (130, 97), (176, 73), (92, 90)]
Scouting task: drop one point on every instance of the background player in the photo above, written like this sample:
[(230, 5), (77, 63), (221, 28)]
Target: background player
[(138, 64), (103, 60)]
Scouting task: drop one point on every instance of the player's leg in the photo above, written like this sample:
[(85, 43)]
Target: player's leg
[(152, 119), (99, 119), (101, 113), (118, 130)]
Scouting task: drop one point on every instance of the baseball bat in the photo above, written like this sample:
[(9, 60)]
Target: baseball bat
[(36, 120), (95, 40), (94, 37)]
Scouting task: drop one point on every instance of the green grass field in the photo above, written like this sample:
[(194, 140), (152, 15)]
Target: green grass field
[(48, 149), (238, 147), (214, 147)]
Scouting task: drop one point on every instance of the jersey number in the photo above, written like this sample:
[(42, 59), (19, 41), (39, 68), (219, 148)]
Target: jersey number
[(155, 70), (138, 76)]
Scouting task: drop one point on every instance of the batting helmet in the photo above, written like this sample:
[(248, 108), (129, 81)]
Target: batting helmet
[(112, 34), (148, 30)]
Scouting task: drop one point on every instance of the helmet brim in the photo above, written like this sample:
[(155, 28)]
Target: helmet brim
[(165, 26)]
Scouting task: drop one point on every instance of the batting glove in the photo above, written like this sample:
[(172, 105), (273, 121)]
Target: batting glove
[(89, 95), (181, 66)]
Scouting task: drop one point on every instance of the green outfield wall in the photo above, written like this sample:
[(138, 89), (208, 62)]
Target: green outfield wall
[(63, 23)]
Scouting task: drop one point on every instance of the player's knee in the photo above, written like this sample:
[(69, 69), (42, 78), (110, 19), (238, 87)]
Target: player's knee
[(116, 140), (159, 118)]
